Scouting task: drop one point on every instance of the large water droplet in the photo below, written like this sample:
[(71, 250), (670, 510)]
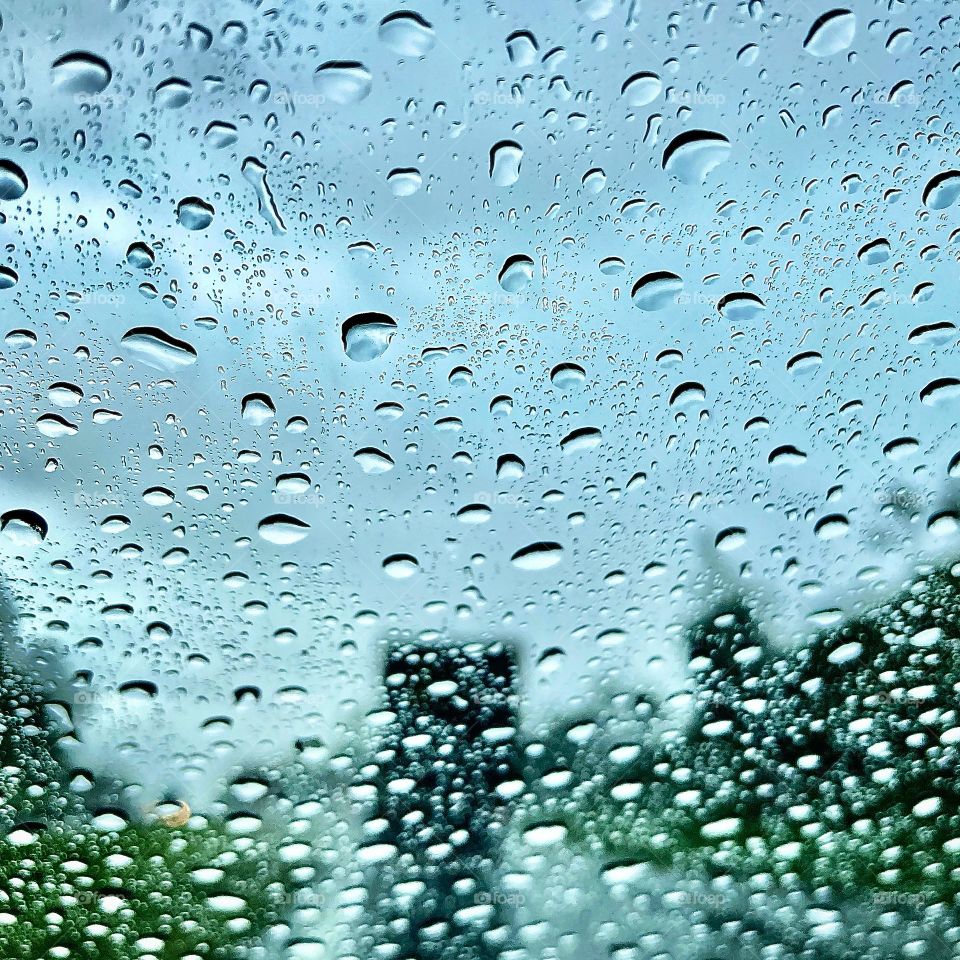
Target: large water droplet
[(257, 408), (401, 566), (641, 89), (522, 48), (282, 529), (516, 273), (406, 33), (23, 527), (740, 307), (158, 349), (372, 460), (831, 33), (343, 82), (366, 336), (80, 73), (194, 213), (13, 181), (538, 556), (692, 155), (505, 159), (656, 290), (173, 93), (942, 190)]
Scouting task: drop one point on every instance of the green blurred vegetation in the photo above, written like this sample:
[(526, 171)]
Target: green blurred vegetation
[(833, 765), (66, 885)]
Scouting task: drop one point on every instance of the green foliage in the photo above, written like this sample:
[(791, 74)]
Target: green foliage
[(830, 766), (66, 885)]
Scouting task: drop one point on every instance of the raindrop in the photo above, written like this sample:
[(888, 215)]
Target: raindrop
[(940, 390), (23, 527), (404, 181), (786, 456), (505, 159), (641, 89), (522, 48), (257, 408), (690, 393), (831, 33), (655, 291), (220, 134), (942, 190), (343, 82), (730, 539), (159, 349), (282, 529), (81, 73), (13, 181), (366, 336), (474, 513), (832, 526), (372, 460), (173, 93), (194, 213), (538, 556), (54, 426), (516, 273), (140, 256), (406, 33), (64, 394), (568, 376), (877, 251), (741, 307), (255, 173), (692, 155), (584, 438), (401, 566)]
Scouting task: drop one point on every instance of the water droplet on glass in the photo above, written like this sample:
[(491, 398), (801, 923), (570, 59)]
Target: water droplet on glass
[(538, 556), (505, 159), (516, 273), (692, 155), (366, 336), (194, 213), (81, 73), (831, 33), (282, 529), (158, 349), (13, 181), (23, 527), (343, 82), (407, 33), (655, 291)]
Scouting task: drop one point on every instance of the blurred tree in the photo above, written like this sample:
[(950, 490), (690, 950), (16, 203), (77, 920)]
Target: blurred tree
[(445, 767)]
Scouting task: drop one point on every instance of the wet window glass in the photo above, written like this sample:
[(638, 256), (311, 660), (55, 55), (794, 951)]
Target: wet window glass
[(479, 480)]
